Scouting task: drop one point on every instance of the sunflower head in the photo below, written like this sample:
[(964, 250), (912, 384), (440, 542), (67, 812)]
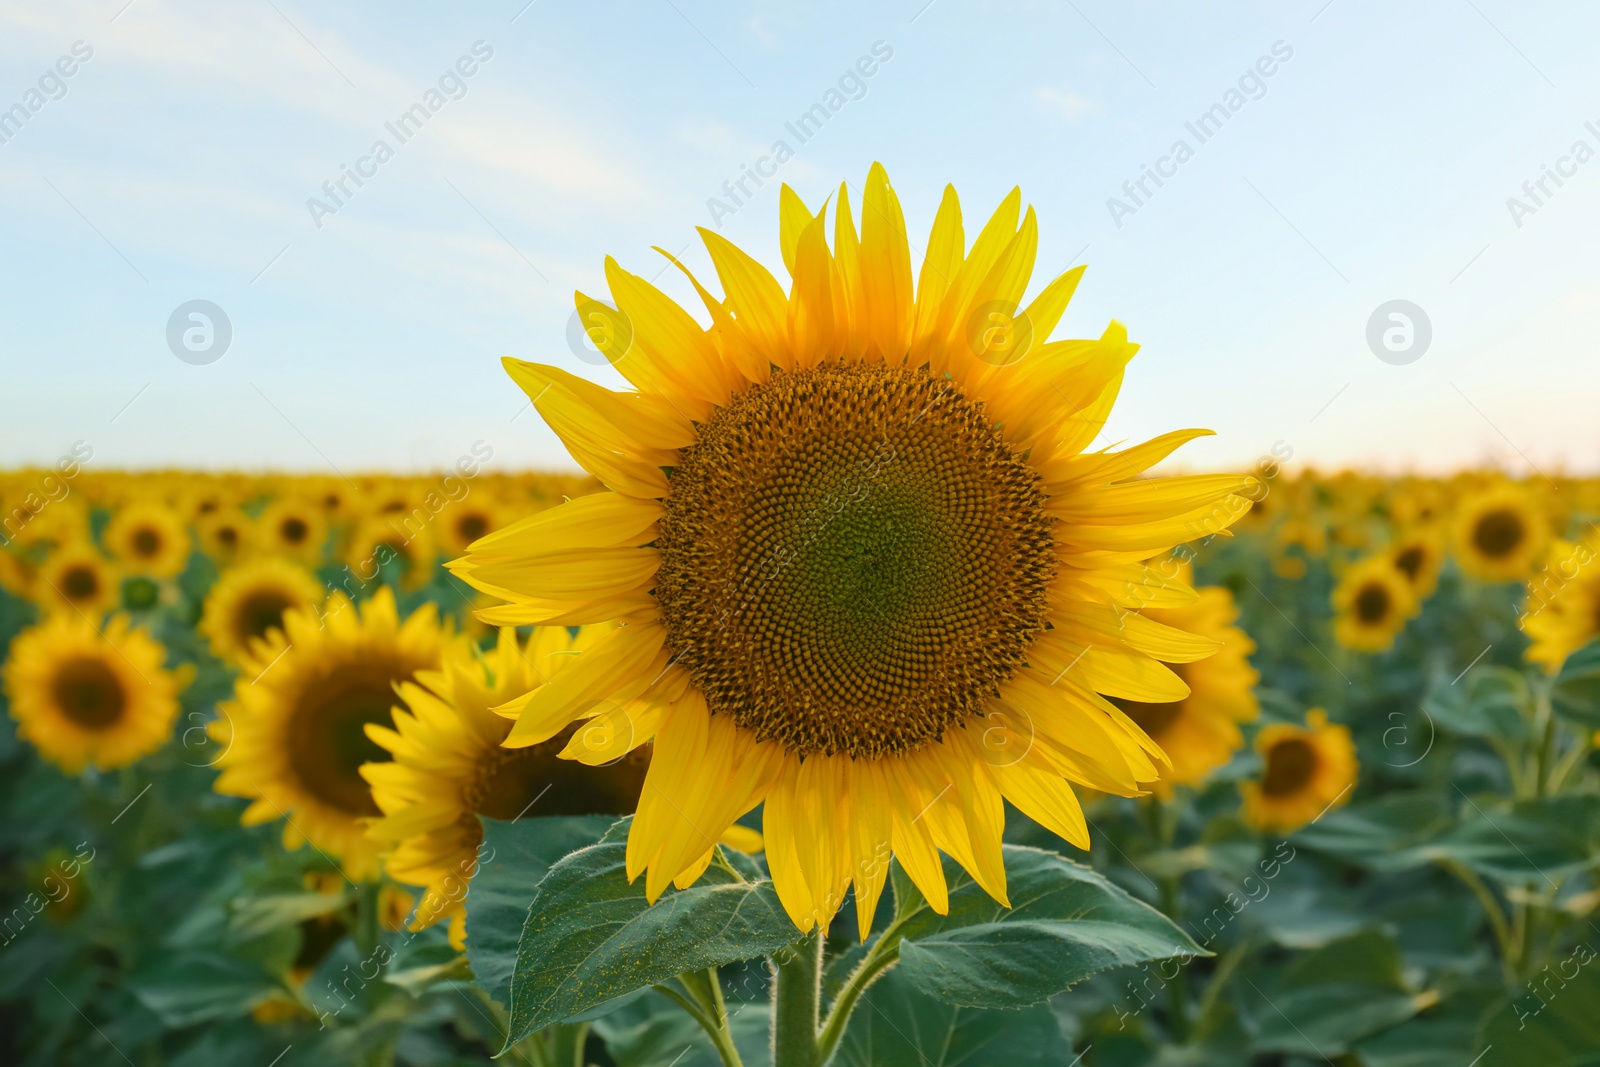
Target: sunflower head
[(392, 548), (1561, 613), (448, 767), (83, 696), (1305, 771), (1418, 554), (78, 578), (1372, 603), (1501, 532), (249, 601), (149, 539), (294, 527), (869, 571), (294, 735)]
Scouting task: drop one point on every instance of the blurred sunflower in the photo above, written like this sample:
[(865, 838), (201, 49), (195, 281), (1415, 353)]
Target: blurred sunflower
[(856, 542), (1418, 554), (294, 738), (1198, 726), (448, 767), (1500, 533), (469, 520), (1562, 611), (293, 527), (1372, 604), (249, 602), (1305, 771), (78, 578), (226, 535), (380, 548), (85, 697), (149, 539)]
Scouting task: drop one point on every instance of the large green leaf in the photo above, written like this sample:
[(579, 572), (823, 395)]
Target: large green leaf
[(1067, 923), (590, 936), (1557, 1026), (1487, 702), (1576, 692), (515, 856), (1534, 841), (1344, 991), (896, 1024), (193, 987), (1381, 834)]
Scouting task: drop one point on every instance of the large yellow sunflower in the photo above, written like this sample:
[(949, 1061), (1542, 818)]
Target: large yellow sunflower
[(1372, 603), (868, 573), (1199, 729), (148, 538), (250, 600), (78, 578), (448, 766), (294, 735), (1562, 612), (1500, 533), (83, 696), (1305, 771)]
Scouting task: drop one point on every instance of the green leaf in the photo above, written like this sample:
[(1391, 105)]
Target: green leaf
[(515, 856), (1067, 923), (193, 987), (896, 1025), (1554, 1024), (1534, 841), (1332, 997), (591, 937), (1321, 1021), (1576, 692), (652, 1031), (1380, 834), (1487, 702)]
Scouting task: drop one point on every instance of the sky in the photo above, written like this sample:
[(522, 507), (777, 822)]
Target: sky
[(1317, 162)]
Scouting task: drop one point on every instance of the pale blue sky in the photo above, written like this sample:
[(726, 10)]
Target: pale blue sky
[(1374, 163)]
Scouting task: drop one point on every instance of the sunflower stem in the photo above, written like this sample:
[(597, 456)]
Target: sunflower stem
[(884, 953), (796, 995)]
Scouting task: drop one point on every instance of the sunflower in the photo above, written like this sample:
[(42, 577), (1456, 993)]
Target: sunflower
[(1305, 771), (249, 601), (78, 578), (1198, 728), (1418, 554), (226, 534), (293, 736), (383, 547), (855, 540), (1562, 612), (84, 696), (294, 528), (1372, 603), (469, 520), (149, 539), (448, 767), (1500, 533)]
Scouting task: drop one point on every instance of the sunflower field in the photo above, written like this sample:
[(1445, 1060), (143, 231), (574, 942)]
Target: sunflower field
[(858, 705)]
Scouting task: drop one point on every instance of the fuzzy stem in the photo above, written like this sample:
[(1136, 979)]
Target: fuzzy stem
[(796, 994)]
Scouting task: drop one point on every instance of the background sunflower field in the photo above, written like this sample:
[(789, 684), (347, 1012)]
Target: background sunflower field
[(1379, 849)]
